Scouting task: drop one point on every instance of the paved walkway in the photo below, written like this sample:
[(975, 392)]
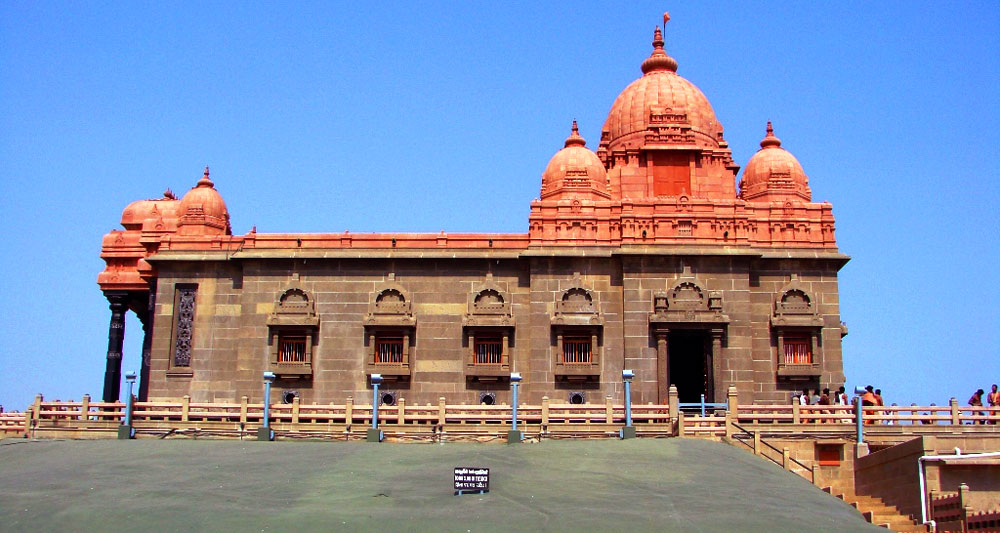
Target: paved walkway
[(187, 485)]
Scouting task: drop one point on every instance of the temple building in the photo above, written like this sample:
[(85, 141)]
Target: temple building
[(645, 254)]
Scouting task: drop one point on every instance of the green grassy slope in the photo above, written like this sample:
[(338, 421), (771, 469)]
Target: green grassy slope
[(187, 485)]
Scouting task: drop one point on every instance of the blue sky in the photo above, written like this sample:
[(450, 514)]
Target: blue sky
[(313, 115)]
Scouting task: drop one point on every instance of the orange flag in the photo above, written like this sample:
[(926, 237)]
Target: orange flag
[(666, 17)]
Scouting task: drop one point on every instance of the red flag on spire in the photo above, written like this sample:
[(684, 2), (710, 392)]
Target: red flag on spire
[(666, 17)]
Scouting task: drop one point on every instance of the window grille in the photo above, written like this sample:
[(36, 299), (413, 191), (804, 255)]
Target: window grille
[(389, 351), (292, 350), (184, 325), (488, 351), (576, 350), (798, 351)]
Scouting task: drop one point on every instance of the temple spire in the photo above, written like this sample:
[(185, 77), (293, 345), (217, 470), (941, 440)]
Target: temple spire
[(574, 138), (659, 60), (770, 139), (205, 181)]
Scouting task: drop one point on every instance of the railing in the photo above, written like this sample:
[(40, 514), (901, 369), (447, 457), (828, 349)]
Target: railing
[(712, 420), (951, 511), (12, 424), (760, 447), (984, 522), (913, 415), (946, 508), (555, 420)]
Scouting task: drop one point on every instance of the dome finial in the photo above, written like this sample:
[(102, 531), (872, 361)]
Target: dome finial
[(770, 139), (659, 60), (574, 138), (205, 181)]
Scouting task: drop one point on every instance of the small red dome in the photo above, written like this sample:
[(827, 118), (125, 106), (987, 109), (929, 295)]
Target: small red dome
[(661, 97), (774, 174), (160, 211), (575, 172), (202, 210)]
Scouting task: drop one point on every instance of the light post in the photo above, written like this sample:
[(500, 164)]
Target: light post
[(859, 409), (264, 432), (125, 431), (373, 434), (628, 432), (514, 436)]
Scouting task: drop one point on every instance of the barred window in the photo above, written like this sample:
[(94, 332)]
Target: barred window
[(389, 351), (489, 351), (292, 350), (576, 350), (798, 350)]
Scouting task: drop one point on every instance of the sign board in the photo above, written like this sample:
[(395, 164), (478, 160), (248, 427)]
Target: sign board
[(472, 479)]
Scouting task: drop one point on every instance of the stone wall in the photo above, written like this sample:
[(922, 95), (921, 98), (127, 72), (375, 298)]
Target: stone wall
[(235, 298), (891, 474)]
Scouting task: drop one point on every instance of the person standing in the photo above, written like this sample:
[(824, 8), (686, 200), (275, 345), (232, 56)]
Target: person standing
[(880, 403), (976, 400), (868, 400), (994, 401), (825, 400)]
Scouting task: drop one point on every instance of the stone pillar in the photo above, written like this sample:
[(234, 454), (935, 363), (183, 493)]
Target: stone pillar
[(662, 367), (116, 339), (715, 368), (147, 344)]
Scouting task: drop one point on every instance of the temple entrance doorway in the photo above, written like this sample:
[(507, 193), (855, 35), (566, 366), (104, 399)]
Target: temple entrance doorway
[(690, 357)]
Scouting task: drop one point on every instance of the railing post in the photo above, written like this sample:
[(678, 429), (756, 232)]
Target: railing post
[(786, 457), (295, 413), (37, 408), (953, 403), (85, 408), (796, 413), (441, 412), (349, 411), (401, 411), (244, 401), (703, 406), (964, 509), (680, 424), (672, 408), (545, 410), (609, 410), (732, 410), (756, 442), (185, 408)]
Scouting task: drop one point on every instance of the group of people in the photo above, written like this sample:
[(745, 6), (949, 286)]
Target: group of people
[(838, 397), (872, 397), (977, 401)]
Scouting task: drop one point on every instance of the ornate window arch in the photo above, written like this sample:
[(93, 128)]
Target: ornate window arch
[(798, 327), (577, 327), (390, 329), (292, 329), (489, 329)]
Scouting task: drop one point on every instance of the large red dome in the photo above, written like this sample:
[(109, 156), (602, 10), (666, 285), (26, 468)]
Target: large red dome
[(660, 97)]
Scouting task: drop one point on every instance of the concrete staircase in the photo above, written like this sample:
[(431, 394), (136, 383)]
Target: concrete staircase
[(879, 513)]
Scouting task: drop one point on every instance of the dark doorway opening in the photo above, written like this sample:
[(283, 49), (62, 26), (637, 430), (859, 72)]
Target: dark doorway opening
[(688, 353)]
